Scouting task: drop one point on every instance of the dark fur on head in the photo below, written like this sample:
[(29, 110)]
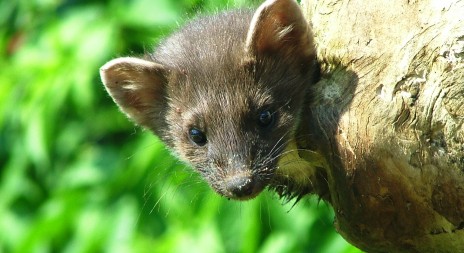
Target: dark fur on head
[(218, 75)]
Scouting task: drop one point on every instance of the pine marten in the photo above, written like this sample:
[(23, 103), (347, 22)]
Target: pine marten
[(226, 93)]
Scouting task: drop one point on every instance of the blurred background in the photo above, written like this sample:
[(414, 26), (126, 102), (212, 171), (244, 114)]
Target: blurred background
[(76, 176)]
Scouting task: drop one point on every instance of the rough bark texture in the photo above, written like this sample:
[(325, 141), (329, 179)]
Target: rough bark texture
[(388, 116)]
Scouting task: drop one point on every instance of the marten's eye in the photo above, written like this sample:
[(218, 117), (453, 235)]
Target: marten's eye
[(197, 136), (266, 119)]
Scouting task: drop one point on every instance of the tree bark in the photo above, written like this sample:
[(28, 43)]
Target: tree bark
[(388, 115)]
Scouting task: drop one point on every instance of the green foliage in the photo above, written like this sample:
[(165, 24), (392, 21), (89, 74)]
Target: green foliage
[(76, 176)]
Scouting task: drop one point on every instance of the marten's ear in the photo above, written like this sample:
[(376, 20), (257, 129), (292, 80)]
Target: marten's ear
[(279, 28), (137, 86)]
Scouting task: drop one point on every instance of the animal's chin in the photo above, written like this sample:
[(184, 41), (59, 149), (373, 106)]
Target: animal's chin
[(245, 197), (241, 184), (242, 189)]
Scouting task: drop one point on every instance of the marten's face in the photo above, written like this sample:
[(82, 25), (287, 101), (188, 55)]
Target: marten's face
[(232, 124), (225, 92)]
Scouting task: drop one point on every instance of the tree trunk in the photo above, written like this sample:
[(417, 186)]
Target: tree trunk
[(388, 115)]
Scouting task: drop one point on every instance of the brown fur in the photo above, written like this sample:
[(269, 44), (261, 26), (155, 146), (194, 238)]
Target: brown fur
[(218, 74)]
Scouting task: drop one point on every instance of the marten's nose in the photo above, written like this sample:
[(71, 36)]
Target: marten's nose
[(239, 186)]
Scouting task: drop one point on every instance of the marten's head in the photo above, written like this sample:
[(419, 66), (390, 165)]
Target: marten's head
[(224, 93)]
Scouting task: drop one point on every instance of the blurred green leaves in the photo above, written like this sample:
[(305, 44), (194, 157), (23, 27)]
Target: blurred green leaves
[(76, 176)]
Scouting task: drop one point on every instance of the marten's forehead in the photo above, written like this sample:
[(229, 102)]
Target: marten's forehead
[(220, 105), (222, 84)]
